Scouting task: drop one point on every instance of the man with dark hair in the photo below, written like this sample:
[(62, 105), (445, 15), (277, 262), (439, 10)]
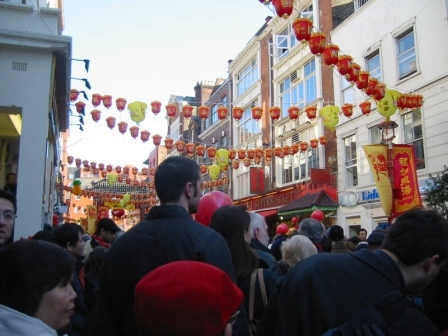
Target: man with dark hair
[(167, 234), (69, 237), (324, 291), (104, 235), (362, 235), (8, 210), (11, 183)]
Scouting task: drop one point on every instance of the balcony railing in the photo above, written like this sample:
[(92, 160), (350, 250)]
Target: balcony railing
[(359, 3)]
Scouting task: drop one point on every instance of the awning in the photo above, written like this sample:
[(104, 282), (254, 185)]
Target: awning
[(309, 203), (267, 213)]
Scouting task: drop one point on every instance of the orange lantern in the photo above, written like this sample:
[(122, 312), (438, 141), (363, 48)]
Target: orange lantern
[(241, 154), (314, 143), (103, 173), (128, 180), (120, 178), (80, 107), (134, 130), (246, 162), (169, 142), (171, 110), (78, 163), (107, 101), (118, 169), (363, 80), (211, 152), (380, 91), (258, 152), (180, 145), (311, 112), (366, 107), (203, 111), (126, 170), (152, 171), (144, 135), (222, 112), (120, 103), (278, 151), (101, 166), (370, 90), (189, 148), (303, 146), (156, 138), (302, 29), (156, 107), (293, 112), (96, 99), (344, 64), (109, 168), (96, 115), (323, 140), (237, 112), (268, 152), (187, 111), (287, 150), (200, 150), (145, 171), (93, 165), (283, 8), (317, 42), (251, 154), (257, 112), (274, 112), (330, 54), (111, 122), (347, 109), (257, 160), (122, 127), (232, 154), (353, 75), (295, 148), (69, 160), (74, 94), (203, 169)]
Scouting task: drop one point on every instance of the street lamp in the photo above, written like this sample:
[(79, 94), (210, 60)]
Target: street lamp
[(387, 130)]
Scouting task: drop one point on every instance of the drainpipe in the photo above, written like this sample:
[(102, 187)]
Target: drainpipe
[(3, 151)]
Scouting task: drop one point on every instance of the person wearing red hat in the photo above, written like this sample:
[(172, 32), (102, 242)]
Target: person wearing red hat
[(186, 298)]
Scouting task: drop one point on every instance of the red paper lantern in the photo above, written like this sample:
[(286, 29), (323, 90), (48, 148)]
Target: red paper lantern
[(107, 101), (302, 29), (134, 131), (241, 154), (286, 150), (323, 140), (171, 110), (189, 148), (203, 111), (278, 151), (128, 180), (144, 135), (109, 168), (118, 212), (152, 171), (156, 138), (258, 152), (257, 160), (222, 112), (246, 162), (235, 164), (203, 169), (156, 107), (211, 152), (187, 111), (96, 99), (353, 75), (314, 143), (118, 169), (96, 115), (251, 154), (293, 112), (311, 112), (145, 171), (80, 107), (268, 152), (317, 42), (126, 170), (380, 91), (274, 112), (232, 154), (169, 143), (93, 165), (74, 94), (103, 173), (237, 112), (122, 127), (70, 159), (257, 112), (347, 109), (331, 54), (78, 162), (120, 103), (283, 8), (295, 148), (370, 90), (180, 145), (120, 178), (366, 107), (134, 170), (363, 80), (303, 146), (101, 166), (110, 122), (344, 64)]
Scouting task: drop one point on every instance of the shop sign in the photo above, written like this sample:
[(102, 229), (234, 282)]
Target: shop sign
[(320, 176), (370, 195), (348, 198)]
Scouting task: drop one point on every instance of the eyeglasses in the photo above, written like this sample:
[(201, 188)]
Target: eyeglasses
[(233, 318), (8, 216)]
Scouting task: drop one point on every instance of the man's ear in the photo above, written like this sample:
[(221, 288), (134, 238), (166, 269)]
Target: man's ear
[(69, 247), (431, 262)]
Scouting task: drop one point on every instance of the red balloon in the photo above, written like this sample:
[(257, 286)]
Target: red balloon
[(282, 228), (318, 215), (208, 204), (295, 220), (118, 212)]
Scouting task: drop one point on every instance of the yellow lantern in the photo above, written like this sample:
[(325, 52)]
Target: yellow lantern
[(388, 105), (330, 116), (222, 157), (137, 111), (213, 171)]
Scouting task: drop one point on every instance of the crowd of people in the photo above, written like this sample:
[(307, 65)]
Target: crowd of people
[(170, 275)]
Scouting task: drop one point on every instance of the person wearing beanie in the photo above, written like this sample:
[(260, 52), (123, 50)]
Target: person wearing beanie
[(186, 298), (336, 235), (104, 235), (375, 239)]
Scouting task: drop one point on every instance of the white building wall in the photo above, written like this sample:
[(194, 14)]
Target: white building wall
[(377, 23)]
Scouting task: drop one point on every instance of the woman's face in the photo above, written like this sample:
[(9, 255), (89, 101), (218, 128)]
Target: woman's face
[(57, 306)]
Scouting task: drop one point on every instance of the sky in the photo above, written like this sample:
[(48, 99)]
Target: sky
[(146, 50)]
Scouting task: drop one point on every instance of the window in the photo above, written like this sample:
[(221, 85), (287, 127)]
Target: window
[(373, 62), (214, 114), (351, 169), (348, 92), (413, 135), (406, 56), (247, 127), (285, 40), (224, 141), (242, 184), (303, 93), (374, 135), (247, 77)]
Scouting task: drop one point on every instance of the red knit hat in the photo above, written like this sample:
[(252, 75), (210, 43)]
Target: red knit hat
[(185, 298)]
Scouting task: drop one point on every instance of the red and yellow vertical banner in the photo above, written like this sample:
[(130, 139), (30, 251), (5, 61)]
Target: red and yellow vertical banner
[(92, 214), (406, 191), (377, 156)]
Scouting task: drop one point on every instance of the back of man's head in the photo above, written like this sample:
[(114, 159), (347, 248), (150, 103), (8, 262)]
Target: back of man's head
[(67, 233), (185, 298), (336, 233), (416, 235), (106, 224), (312, 229), (172, 175), (257, 221)]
